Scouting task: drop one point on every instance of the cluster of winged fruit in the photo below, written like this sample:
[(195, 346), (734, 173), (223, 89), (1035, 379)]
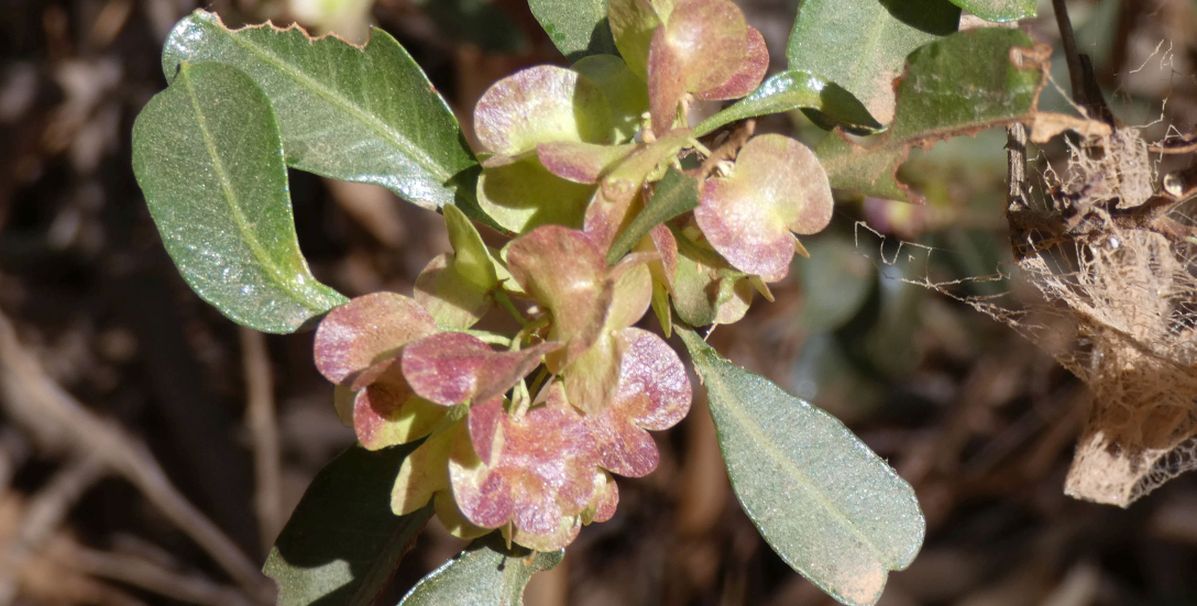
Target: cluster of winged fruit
[(521, 432)]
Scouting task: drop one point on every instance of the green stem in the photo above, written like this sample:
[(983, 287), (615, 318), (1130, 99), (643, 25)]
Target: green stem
[(489, 337), (505, 302)]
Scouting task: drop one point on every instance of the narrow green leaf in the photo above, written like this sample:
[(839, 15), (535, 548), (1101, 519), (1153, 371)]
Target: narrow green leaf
[(967, 82), (790, 90), (862, 44), (363, 114), (207, 155), (577, 27), (829, 506), (999, 10), (342, 543), (485, 573), (675, 194)]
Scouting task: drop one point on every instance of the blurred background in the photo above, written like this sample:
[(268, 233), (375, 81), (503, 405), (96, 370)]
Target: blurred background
[(150, 450)]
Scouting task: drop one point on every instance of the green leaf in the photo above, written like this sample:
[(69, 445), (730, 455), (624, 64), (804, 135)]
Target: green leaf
[(829, 506), (960, 85), (675, 194), (485, 573), (862, 44), (207, 155), (342, 543), (790, 90), (363, 114), (999, 10), (577, 27)]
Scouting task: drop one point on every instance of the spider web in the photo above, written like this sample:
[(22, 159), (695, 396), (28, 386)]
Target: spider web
[(1114, 303)]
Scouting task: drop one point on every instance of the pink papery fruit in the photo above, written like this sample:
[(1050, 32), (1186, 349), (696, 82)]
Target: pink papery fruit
[(776, 187)]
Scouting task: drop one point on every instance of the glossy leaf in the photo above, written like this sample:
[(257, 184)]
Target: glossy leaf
[(861, 45), (485, 573), (999, 10), (791, 90), (829, 506), (776, 187), (342, 543), (363, 114), (576, 27), (965, 83), (207, 155), (674, 195)]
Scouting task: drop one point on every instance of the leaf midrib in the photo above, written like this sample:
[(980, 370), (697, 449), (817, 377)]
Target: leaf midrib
[(276, 273), (765, 443), (369, 119)]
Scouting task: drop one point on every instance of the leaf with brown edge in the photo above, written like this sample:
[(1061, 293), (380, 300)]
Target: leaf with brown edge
[(542, 104), (749, 75), (535, 472), (702, 45), (565, 271), (861, 45), (581, 162), (452, 368), (357, 334), (965, 83), (777, 187), (366, 114), (653, 394), (387, 412)]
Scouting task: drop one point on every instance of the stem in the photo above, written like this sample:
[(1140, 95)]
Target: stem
[(505, 302), (1083, 81), (489, 337), (1073, 57)]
